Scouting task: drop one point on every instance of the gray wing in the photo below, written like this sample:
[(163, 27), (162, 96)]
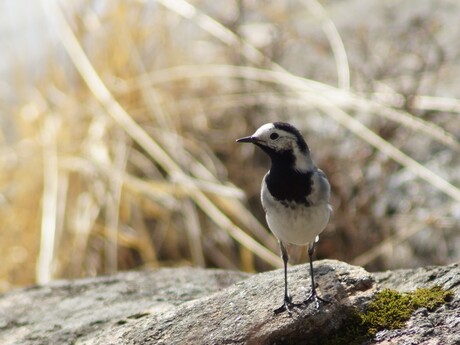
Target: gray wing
[(321, 190)]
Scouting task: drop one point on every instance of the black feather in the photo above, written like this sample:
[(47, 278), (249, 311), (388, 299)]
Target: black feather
[(287, 184)]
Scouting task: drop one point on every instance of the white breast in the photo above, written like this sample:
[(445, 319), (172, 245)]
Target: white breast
[(296, 224)]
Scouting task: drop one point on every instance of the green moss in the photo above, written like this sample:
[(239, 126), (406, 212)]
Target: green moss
[(389, 310), (431, 298)]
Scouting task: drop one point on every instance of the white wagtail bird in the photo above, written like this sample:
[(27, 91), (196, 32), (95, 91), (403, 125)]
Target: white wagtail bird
[(295, 195)]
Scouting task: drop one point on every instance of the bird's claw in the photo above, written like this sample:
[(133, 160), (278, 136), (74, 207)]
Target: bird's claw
[(287, 306), (313, 296)]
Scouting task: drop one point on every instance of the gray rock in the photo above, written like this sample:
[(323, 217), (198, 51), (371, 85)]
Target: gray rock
[(178, 306), (441, 326), (65, 311), (243, 313), (198, 306)]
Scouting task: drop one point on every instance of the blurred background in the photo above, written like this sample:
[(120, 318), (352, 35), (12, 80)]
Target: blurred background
[(118, 122)]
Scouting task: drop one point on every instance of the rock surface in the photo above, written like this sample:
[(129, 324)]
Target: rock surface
[(441, 326), (65, 312), (197, 306)]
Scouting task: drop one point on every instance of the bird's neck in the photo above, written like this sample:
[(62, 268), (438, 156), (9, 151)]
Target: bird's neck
[(303, 162), (295, 159), (288, 162)]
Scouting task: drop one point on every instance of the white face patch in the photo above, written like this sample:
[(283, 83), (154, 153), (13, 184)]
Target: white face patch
[(263, 129)]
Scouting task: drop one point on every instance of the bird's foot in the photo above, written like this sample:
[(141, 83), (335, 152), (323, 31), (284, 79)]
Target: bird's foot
[(287, 306), (314, 297)]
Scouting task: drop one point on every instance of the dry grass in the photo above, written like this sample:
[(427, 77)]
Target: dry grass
[(124, 150)]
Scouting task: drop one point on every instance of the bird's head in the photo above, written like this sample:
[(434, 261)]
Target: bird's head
[(282, 142)]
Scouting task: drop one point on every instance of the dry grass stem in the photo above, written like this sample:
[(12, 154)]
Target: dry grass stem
[(335, 41), (50, 201), (313, 95), (116, 111)]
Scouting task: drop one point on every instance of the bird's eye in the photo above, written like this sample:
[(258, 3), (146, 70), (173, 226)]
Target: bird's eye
[(274, 136)]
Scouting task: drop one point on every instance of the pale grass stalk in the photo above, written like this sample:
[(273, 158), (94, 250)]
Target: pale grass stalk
[(84, 211), (306, 90), (389, 150), (203, 177), (226, 36), (406, 230), (424, 102), (96, 148), (186, 10), (118, 113), (243, 215), (370, 107), (219, 31), (112, 210), (274, 99), (83, 219), (219, 190), (340, 98), (160, 192), (145, 245), (193, 229), (216, 29), (231, 208), (63, 189), (177, 73), (420, 102), (163, 193), (335, 41), (240, 236), (149, 95), (388, 243), (44, 272), (247, 260), (217, 256), (211, 187), (406, 119)]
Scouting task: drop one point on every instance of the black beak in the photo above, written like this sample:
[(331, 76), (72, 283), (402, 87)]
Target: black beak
[(249, 139)]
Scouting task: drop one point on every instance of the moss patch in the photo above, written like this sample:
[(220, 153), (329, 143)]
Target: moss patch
[(389, 310)]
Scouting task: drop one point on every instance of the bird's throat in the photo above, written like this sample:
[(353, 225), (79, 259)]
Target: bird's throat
[(289, 185)]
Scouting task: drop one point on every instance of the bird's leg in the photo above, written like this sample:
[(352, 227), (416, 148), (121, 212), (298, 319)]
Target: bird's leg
[(313, 296), (287, 304)]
